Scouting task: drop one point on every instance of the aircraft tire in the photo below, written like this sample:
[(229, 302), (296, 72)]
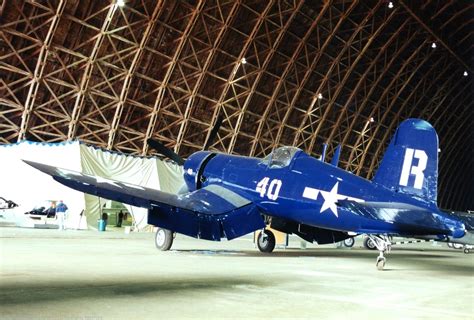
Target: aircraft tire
[(266, 243), (369, 244), (381, 263), (163, 239), (458, 246), (349, 242)]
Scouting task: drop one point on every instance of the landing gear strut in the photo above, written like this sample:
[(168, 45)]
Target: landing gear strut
[(163, 239), (383, 244)]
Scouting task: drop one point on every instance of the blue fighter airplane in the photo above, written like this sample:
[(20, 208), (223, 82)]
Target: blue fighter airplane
[(228, 196)]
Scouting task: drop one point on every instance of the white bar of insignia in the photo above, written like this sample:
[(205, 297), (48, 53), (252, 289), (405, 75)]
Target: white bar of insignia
[(310, 193)]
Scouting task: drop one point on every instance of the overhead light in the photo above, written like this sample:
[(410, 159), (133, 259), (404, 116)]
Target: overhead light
[(465, 73), (433, 45), (244, 61), (439, 150), (390, 5), (320, 96), (120, 3), (371, 119)]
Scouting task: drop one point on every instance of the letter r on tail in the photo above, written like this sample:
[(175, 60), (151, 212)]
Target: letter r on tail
[(417, 170)]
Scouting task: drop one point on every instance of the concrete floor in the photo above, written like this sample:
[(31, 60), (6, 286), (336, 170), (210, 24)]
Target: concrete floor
[(49, 274)]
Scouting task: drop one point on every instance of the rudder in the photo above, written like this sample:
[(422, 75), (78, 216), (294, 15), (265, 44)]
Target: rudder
[(410, 164)]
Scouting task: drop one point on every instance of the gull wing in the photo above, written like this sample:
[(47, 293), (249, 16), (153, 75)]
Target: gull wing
[(210, 213)]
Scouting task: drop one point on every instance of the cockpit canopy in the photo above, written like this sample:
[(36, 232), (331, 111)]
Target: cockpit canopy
[(281, 157)]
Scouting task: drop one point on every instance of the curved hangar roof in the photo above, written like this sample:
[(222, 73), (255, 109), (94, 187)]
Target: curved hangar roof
[(294, 73)]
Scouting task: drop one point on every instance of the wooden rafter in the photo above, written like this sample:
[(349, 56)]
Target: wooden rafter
[(85, 79), (238, 63), (161, 90), (130, 72)]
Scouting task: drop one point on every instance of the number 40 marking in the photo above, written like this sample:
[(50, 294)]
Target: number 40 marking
[(273, 189)]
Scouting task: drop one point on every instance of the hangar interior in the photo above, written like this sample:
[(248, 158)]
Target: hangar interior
[(279, 73), (85, 84)]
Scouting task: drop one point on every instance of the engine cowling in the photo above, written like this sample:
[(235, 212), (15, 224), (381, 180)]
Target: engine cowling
[(194, 168)]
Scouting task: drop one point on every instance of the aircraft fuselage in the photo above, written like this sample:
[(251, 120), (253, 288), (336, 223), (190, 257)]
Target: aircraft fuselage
[(307, 191)]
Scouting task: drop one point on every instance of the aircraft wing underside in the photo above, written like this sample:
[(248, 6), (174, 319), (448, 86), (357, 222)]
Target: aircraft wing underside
[(401, 219), (208, 213)]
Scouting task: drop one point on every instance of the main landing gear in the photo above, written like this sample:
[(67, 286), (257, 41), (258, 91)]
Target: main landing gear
[(383, 244), (369, 244), (266, 241), (349, 242), (164, 239)]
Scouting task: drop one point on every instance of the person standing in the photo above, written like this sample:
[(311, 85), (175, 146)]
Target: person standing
[(119, 219), (61, 209)]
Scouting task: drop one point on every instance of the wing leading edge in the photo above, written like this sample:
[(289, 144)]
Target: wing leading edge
[(209, 213)]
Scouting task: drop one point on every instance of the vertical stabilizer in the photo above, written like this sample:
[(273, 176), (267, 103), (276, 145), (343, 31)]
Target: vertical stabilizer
[(410, 164)]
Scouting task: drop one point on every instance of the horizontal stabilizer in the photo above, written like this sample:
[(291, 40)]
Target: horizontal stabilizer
[(406, 219), (465, 217)]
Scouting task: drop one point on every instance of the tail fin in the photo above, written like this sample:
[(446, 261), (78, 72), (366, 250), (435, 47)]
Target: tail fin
[(410, 164)]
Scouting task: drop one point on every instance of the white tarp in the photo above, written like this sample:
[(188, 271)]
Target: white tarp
[(29, 187)]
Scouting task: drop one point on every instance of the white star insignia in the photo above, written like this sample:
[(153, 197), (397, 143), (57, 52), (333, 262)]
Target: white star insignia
[(330, 199), (108, 181)]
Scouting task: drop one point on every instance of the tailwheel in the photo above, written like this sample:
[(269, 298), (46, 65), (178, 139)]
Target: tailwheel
[(380, 262), (383, 244), (266, 241), (163, 239)]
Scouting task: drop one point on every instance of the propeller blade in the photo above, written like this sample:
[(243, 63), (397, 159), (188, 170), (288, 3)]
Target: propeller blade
[(167, 152), (213, 134)]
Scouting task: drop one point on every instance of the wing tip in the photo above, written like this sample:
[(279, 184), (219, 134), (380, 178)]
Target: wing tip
[(32, 163), (41, 167)]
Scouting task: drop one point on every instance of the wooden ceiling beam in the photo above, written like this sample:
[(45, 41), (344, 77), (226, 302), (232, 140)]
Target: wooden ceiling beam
[(390, 88), (203, 73), (131, 71), (86, 76), (260, 72), (435, 34), (172, 65), (237, 64), (38, 73)]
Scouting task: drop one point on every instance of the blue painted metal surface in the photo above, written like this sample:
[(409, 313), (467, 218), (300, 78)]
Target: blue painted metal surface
[(229, 194), (335, 157)]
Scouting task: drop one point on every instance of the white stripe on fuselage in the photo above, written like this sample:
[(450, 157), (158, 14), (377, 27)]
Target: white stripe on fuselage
[(330, 197)]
